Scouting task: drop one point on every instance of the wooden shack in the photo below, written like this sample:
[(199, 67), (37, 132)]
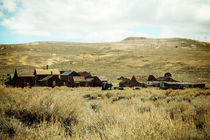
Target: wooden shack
[(42, 73), (139, 80), (79, 81), (93, 81), (23, 79), (151, 78), (124, 82), (50, 81), (67, 78)]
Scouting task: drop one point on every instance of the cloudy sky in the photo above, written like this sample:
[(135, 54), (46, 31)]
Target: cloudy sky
[(23, 21)]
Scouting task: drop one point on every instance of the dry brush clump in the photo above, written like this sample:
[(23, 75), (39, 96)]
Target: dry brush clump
[(89, 113)]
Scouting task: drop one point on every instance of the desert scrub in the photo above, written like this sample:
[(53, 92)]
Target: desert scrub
[(66, 113)]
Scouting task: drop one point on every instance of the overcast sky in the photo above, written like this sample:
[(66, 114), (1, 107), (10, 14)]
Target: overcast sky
[(102, 20)]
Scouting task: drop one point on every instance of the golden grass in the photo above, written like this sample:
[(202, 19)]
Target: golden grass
[(89, 113)]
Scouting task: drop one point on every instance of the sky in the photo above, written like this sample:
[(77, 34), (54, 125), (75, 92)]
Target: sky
[(23, 21)]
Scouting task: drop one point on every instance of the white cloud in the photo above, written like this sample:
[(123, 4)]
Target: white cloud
[(108, 20)]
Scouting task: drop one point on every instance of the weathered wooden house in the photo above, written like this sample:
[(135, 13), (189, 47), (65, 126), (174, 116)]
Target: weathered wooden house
[(151, 78), (42, 73), (93, 81), (79, 81), (84, 74), (67, 78), (50, 81), (139, 81), (23, 79), (124, 82)]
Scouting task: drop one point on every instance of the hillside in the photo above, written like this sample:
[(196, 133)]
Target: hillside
[(187, 60)]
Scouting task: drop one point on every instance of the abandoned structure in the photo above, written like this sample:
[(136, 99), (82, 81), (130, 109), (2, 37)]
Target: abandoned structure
[(47, 77), (93, 81), (79, 81), (54, 77), (66, 78)]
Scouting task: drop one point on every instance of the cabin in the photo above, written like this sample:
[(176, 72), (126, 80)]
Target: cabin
[(67, 78), (139, 80), (23, 79), (124, 82), (79, 81), (50, 81), (42, 73), (84, 74), (151, 78), (93, 81)]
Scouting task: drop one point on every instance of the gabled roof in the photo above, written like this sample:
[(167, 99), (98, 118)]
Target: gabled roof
[(79, 79), (102, 78), (141, 78), (28, 73), (47, 71), (46, 78), (67, 73)]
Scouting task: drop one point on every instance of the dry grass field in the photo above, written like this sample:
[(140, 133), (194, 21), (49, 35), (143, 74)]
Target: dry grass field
[(89, 113)]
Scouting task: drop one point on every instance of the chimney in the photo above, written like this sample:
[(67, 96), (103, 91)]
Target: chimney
[(47, 67)]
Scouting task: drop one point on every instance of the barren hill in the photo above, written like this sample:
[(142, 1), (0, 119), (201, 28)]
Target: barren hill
[(187, 60)]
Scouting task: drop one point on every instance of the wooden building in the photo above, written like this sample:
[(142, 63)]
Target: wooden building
[(79, 81), (139, 81), (93, 81), (23, 79), (42, 73), (50, 81), (67, 78)]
